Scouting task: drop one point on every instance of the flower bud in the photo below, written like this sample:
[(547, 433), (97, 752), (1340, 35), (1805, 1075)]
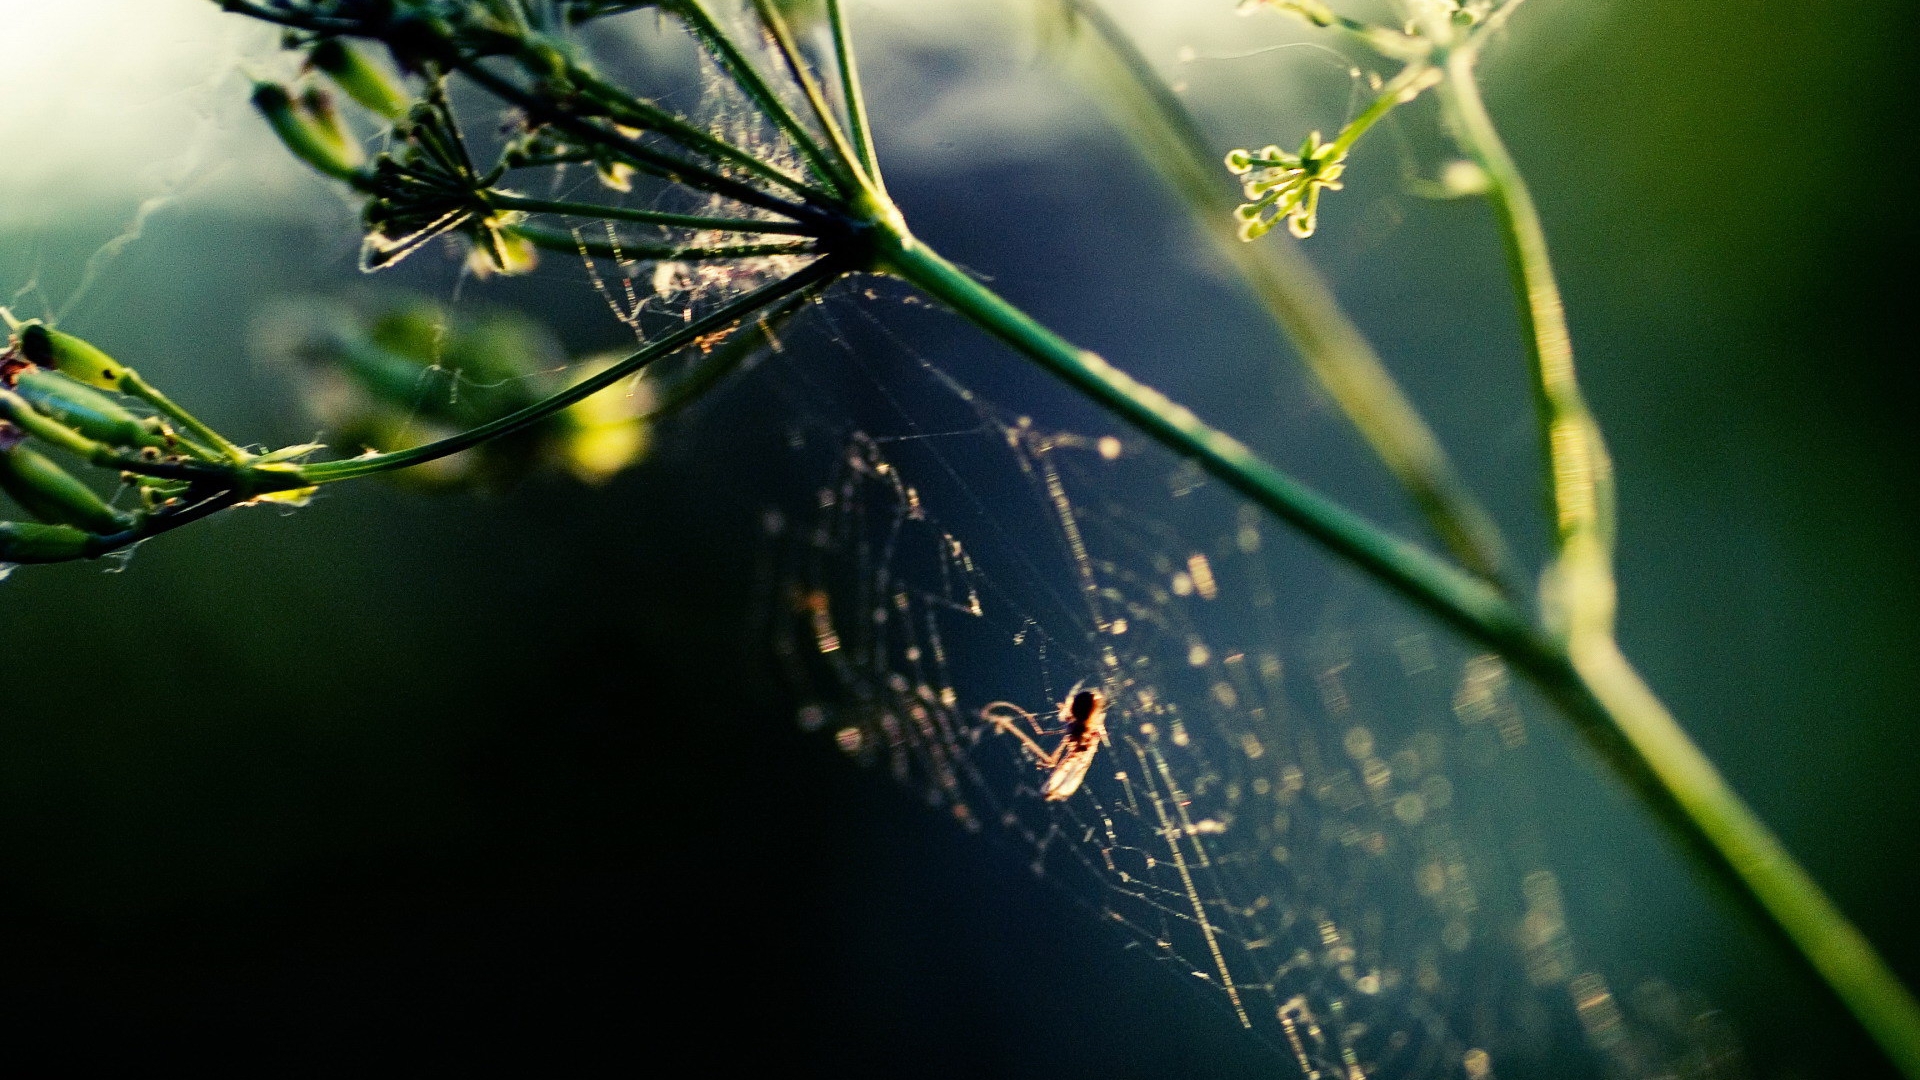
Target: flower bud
[(70, 356), (360, 78), (52, 494), (318, 107), (306, 136), (27, 542), (87, 411)]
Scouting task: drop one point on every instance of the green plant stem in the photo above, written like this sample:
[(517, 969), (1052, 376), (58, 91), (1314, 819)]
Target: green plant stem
[(1594, 686), (1581, 472), (772, 298), (1496, 19), (572, 243), (133, 384), (1299, 300), (1401, 89), (725, 359), (851, 92), (1582, 586), (246, 479), (720, 45), (842, 148), (502, 201), (633, 152), (626, 109), (156, 524), (1817, 930), (1459, 598)]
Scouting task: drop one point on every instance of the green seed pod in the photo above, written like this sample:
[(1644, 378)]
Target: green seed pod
[(308, 139), (88, 411), (27, 542), (70, 356), (52, 494), (361, 78)]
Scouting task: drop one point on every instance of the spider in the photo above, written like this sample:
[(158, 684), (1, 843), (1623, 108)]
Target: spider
[(1084, 717)]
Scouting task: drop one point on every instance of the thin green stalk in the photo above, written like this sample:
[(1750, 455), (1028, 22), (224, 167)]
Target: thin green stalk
[(852, 94), (248, 479), (792, 288), (1399, 90), (1299, 300), (572, 243), (1462, 600), (1496, 19), (292, 20), (132, 383), (1581, 471), (625, 109), (165, 522), (633, 152), (1790, 898), (1583, 587), (541, 161), (789, 50), (599, 212), (722, 361), (747, 77)]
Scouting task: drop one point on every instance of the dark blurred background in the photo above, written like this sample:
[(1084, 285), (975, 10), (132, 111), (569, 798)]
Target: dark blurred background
[(471, 775)]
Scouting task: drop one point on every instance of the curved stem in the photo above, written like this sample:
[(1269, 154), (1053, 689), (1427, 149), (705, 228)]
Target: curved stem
[(1788, 898), (157, 524), (793, 286), (1403, 88), (133, 384), (1455, 596), (627, 109), (634, 152), (1604, 699)]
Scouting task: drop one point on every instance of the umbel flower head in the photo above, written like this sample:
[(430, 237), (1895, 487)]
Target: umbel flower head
[(1279, 185), (427, 186)]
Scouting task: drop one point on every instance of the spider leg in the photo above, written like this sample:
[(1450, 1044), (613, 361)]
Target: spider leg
[(994, 715)]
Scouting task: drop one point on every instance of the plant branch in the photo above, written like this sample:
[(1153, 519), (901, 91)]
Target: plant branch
[(782, 35), (771, 297), (1581, 472), (573, 243), (852, 94), (631, 150), (1460, 599), (721, 47), (503, 201), (1581, 596), (626, 109)]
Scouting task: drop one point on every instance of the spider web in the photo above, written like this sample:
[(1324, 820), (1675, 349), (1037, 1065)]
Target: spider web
[(1311, 802)]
